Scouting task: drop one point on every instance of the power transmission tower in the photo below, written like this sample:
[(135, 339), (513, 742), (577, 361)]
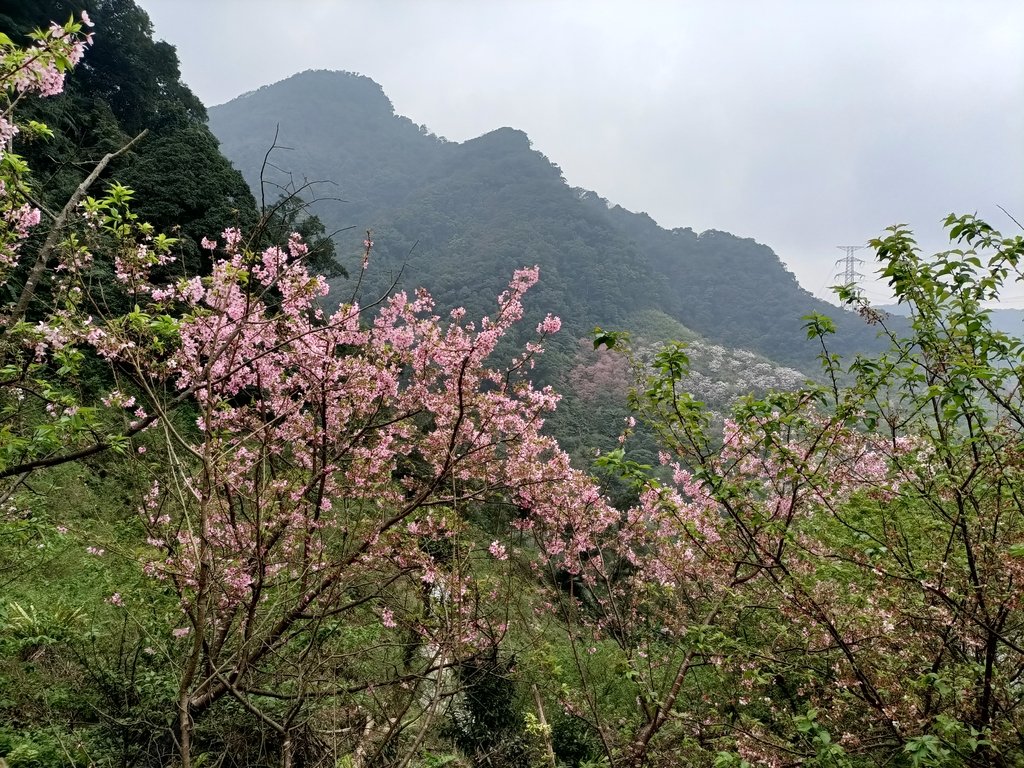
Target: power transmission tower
[(848, 272)]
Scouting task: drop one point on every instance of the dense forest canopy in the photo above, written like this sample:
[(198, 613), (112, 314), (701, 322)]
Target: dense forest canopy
[(247, 522)]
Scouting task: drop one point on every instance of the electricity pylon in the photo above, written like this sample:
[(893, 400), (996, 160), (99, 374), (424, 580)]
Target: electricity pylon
[(849, 263)]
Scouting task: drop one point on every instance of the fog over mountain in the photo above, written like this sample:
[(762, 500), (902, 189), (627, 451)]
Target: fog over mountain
[(804, 125)]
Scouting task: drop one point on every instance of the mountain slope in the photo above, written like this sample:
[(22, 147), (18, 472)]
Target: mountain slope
[(459, 217), (335, 130)]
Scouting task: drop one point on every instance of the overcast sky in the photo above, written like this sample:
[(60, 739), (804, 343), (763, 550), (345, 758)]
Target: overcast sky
[(803, 124)]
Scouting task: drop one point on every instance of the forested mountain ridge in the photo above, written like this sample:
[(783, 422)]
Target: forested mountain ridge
[(458, 217), (383, 155)]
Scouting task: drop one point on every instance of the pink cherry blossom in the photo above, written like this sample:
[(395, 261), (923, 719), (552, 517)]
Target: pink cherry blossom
[(498, 551)]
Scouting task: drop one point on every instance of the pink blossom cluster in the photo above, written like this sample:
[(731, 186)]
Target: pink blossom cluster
[(40, 70), (132, 267), (8, 130), (341, 404)]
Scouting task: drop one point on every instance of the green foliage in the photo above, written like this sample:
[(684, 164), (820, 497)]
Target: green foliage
[(911, 585), (184, 186), (41, 749), (878, 625), (488, 725), (130, 82)]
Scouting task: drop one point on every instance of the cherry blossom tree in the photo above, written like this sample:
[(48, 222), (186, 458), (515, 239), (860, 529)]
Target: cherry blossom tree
[(327, 489), (352, 512), (318, 515), (833, 579)]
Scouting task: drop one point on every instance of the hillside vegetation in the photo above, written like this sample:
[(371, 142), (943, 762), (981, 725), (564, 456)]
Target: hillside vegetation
[(249, 520)]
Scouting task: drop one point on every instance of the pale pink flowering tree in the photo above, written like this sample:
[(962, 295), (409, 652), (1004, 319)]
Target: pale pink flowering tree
[(45, 420), (668, 589), (36, 70), (831, 581)]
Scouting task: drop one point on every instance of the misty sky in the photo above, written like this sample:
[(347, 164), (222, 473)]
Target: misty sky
[(804, 125)]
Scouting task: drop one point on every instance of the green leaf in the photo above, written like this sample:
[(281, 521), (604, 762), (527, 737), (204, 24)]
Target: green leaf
[(608, 339)]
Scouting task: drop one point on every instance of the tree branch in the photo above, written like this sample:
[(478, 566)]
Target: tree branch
[(53, 238)]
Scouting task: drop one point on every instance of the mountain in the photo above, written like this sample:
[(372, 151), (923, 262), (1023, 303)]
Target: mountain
[(457, 218), (1004, 319)]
